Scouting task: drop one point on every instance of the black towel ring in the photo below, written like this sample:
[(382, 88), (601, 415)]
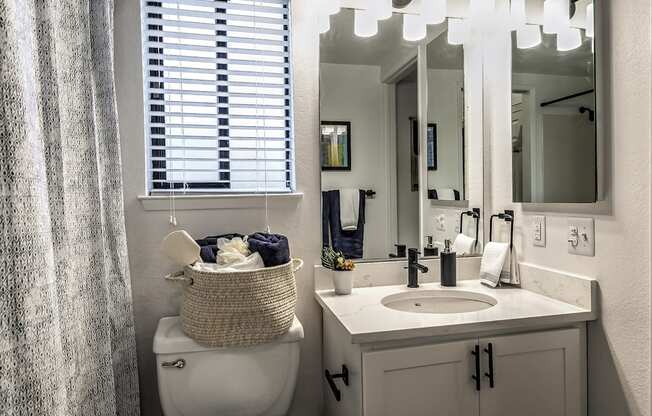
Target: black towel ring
[(507, 216), (473, 213)]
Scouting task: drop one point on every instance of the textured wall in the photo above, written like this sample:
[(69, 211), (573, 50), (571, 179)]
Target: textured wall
[(619, 342), (298, 219)]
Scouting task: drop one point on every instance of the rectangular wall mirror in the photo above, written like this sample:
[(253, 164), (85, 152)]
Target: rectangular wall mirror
[(369, 165), (390, 179), (554, 112), (452, 204)]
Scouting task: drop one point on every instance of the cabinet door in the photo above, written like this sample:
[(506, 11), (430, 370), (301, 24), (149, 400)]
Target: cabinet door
[(432, 380), (536, 374)]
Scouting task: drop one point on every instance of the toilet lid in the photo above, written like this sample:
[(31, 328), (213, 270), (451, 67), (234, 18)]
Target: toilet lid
[(170, 338)]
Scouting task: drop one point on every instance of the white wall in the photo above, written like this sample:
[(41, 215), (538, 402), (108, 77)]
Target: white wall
[(354, 93), (619, 342), (407, 200), (445, 110), (298, 219)]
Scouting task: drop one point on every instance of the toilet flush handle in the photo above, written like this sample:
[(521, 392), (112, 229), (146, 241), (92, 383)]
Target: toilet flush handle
[(180, 363)]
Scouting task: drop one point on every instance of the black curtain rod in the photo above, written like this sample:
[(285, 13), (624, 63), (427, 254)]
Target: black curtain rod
[(568, 97)]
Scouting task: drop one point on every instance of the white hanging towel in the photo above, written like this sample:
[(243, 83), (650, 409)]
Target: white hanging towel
[(493, 262), (463, 245), (510, 273), (349, 208)]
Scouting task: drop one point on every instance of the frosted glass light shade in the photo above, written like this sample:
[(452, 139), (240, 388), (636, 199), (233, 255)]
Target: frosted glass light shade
[(456, 31), (433, 11), (414, 27), (589, 21), (365, 24), (331, 6), (382, 9), (528, 36), (482, 7), (517, 14), (323, 22), (569, 39), (555, 16)]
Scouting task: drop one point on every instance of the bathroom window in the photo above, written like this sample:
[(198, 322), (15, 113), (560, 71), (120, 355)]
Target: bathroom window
[(218, 96)]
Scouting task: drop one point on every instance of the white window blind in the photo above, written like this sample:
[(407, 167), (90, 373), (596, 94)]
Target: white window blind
[(218, 99)]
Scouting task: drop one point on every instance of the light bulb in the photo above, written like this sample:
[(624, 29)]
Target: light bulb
[(323, 22), (555, 16), (589, 21), (528, 36), (433, 11), (414, 27), (331, 6), (382, 9), (456, 31), (517, 14), (482, 7), (365, 24), (569, 39)]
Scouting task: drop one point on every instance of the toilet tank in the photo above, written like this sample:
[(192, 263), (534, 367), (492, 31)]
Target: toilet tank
[(194, 380)]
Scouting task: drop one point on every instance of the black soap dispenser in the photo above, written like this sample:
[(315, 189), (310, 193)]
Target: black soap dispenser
[(448, 262)]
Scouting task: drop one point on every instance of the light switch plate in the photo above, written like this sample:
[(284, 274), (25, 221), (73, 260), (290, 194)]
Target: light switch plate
[(539, 231), (581, 236)]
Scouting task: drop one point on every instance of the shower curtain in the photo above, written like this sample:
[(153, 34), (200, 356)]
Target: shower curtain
[(67, 342)]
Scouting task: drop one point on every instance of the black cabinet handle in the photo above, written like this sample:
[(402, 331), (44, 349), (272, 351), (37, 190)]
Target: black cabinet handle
[(490, 375), (476, 376), (344, 375)]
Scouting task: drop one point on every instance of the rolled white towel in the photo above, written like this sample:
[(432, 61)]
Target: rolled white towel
[(463, 245), (493, 261), (446, 194), (349, 208), (180, 247)]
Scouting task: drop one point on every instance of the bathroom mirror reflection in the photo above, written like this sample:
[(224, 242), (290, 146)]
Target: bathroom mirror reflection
[(554, 114), (368, 148), (453, 193)]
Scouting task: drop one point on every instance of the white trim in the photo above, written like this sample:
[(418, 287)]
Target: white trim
[(215, 201)]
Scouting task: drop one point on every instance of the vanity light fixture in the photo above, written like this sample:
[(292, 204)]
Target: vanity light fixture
[(323, 22), (517, 14), (528, 36), (456, 31), (482, 7), (555, 16), (589, 20), (569, 39), (434, 11), (414, 27), (331, 7), (365, 24), (382, 9)]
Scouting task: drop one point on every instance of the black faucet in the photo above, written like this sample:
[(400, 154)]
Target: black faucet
[(414, 267)]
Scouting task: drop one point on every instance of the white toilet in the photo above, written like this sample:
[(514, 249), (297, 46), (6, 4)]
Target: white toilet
[(201, 381)]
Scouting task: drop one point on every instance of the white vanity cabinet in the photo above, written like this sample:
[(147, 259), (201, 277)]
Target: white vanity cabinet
[(534, 373)]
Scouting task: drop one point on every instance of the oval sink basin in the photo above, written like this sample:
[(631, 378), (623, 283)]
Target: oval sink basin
[(439, 301)]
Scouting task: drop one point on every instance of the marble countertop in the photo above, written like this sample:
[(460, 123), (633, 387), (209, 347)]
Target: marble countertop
[(367, 320)]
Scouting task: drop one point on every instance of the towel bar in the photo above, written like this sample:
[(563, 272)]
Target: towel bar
[(507, 216)]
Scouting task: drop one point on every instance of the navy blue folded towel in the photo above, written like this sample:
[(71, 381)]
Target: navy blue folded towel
[(273, 248)]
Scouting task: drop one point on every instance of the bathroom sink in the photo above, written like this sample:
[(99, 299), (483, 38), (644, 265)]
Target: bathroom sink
[(438, 301)]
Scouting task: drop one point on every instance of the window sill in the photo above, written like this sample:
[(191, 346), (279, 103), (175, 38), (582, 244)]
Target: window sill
[(208, 202)]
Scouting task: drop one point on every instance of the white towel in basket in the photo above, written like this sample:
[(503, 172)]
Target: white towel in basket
[(251, 262)]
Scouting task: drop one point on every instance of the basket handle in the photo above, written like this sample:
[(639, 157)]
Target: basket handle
[(178, 277), (297, 264)]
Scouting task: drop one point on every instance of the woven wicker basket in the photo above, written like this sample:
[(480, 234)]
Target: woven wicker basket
[(240, 308)]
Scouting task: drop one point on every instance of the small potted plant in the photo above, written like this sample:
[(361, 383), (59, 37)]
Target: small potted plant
[(335, 261)]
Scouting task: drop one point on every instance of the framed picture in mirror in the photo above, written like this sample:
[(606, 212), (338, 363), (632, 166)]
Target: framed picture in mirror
[(432, 146), (335, 145)]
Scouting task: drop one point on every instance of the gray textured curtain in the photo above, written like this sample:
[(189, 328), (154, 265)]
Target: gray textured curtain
[(67, 342)]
